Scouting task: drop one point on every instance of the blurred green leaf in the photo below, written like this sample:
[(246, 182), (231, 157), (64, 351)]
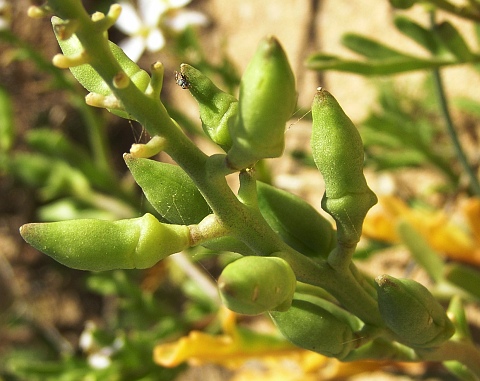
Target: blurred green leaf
[(422, 36), (455, 42), (371, 48), (321, 61), (7, 129), (465, 277)]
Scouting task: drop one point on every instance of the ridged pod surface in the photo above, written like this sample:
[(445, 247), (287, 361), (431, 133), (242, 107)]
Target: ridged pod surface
[(266, 101)]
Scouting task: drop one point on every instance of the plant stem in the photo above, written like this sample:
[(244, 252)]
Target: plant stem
[(208, 173), (463, 352), (443, 104), (440, 92)]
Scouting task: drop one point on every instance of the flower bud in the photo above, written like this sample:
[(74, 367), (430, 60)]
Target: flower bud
[(253, 285), (218, 110), (317, 325), (98, 245), (169, 189), (412, 313), (73, 54), (296, 221), (338, 153), (267, 100)]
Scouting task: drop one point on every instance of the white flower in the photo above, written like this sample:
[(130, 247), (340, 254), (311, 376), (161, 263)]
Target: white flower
[(5, 15), (144, 26)]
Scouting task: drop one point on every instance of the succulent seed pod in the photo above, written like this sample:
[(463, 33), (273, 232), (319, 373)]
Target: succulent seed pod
[(253, 285), (296, 221), (267, 100), (98, 245), (412, 313), (317, 325), (338, 153), (218, 109)]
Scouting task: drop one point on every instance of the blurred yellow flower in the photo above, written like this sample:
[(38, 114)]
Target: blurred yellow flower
[(457, 242), (254, 355)]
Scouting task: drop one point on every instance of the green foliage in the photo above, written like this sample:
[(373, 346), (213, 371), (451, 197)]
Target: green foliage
[(444, 43)]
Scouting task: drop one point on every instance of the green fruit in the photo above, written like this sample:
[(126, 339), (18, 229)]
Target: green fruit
[(317, 325), (338, 153), (266, 102), (412, 313), (98, 245), (218, 110), (253, 285)]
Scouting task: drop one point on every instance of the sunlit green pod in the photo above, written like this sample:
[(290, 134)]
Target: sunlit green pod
[(266, 101), (337, 150), (253, 285), (98, 245), (218, 109)]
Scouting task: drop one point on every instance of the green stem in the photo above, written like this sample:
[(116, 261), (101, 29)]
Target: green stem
[(208, 173), (463, 352), (443, 104), (440, 92)]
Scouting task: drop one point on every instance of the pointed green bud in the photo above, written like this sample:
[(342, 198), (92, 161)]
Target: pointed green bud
[(412, 313), (253, 285), (296, 221), (338, 153), (169, 189), (98, 245), (267, 100), (218, 109), (317, 325)]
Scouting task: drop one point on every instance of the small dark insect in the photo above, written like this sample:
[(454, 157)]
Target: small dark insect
[(182, 80)]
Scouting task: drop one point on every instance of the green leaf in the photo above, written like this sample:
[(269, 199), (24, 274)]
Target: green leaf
[(464, 277), (7, 129), (169, 189), (320, 61), (421, 251), (370, 48), (422, 36), (455, 42)]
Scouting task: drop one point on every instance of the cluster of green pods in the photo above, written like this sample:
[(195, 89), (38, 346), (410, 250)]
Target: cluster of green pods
[(248, 129)]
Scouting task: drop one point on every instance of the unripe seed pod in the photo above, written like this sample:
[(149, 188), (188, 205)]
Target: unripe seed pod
[(311, 323), (98, 245), (218, 109), (338, 153), (412, 313), (253, 285), (296, 221), (267, 100)]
